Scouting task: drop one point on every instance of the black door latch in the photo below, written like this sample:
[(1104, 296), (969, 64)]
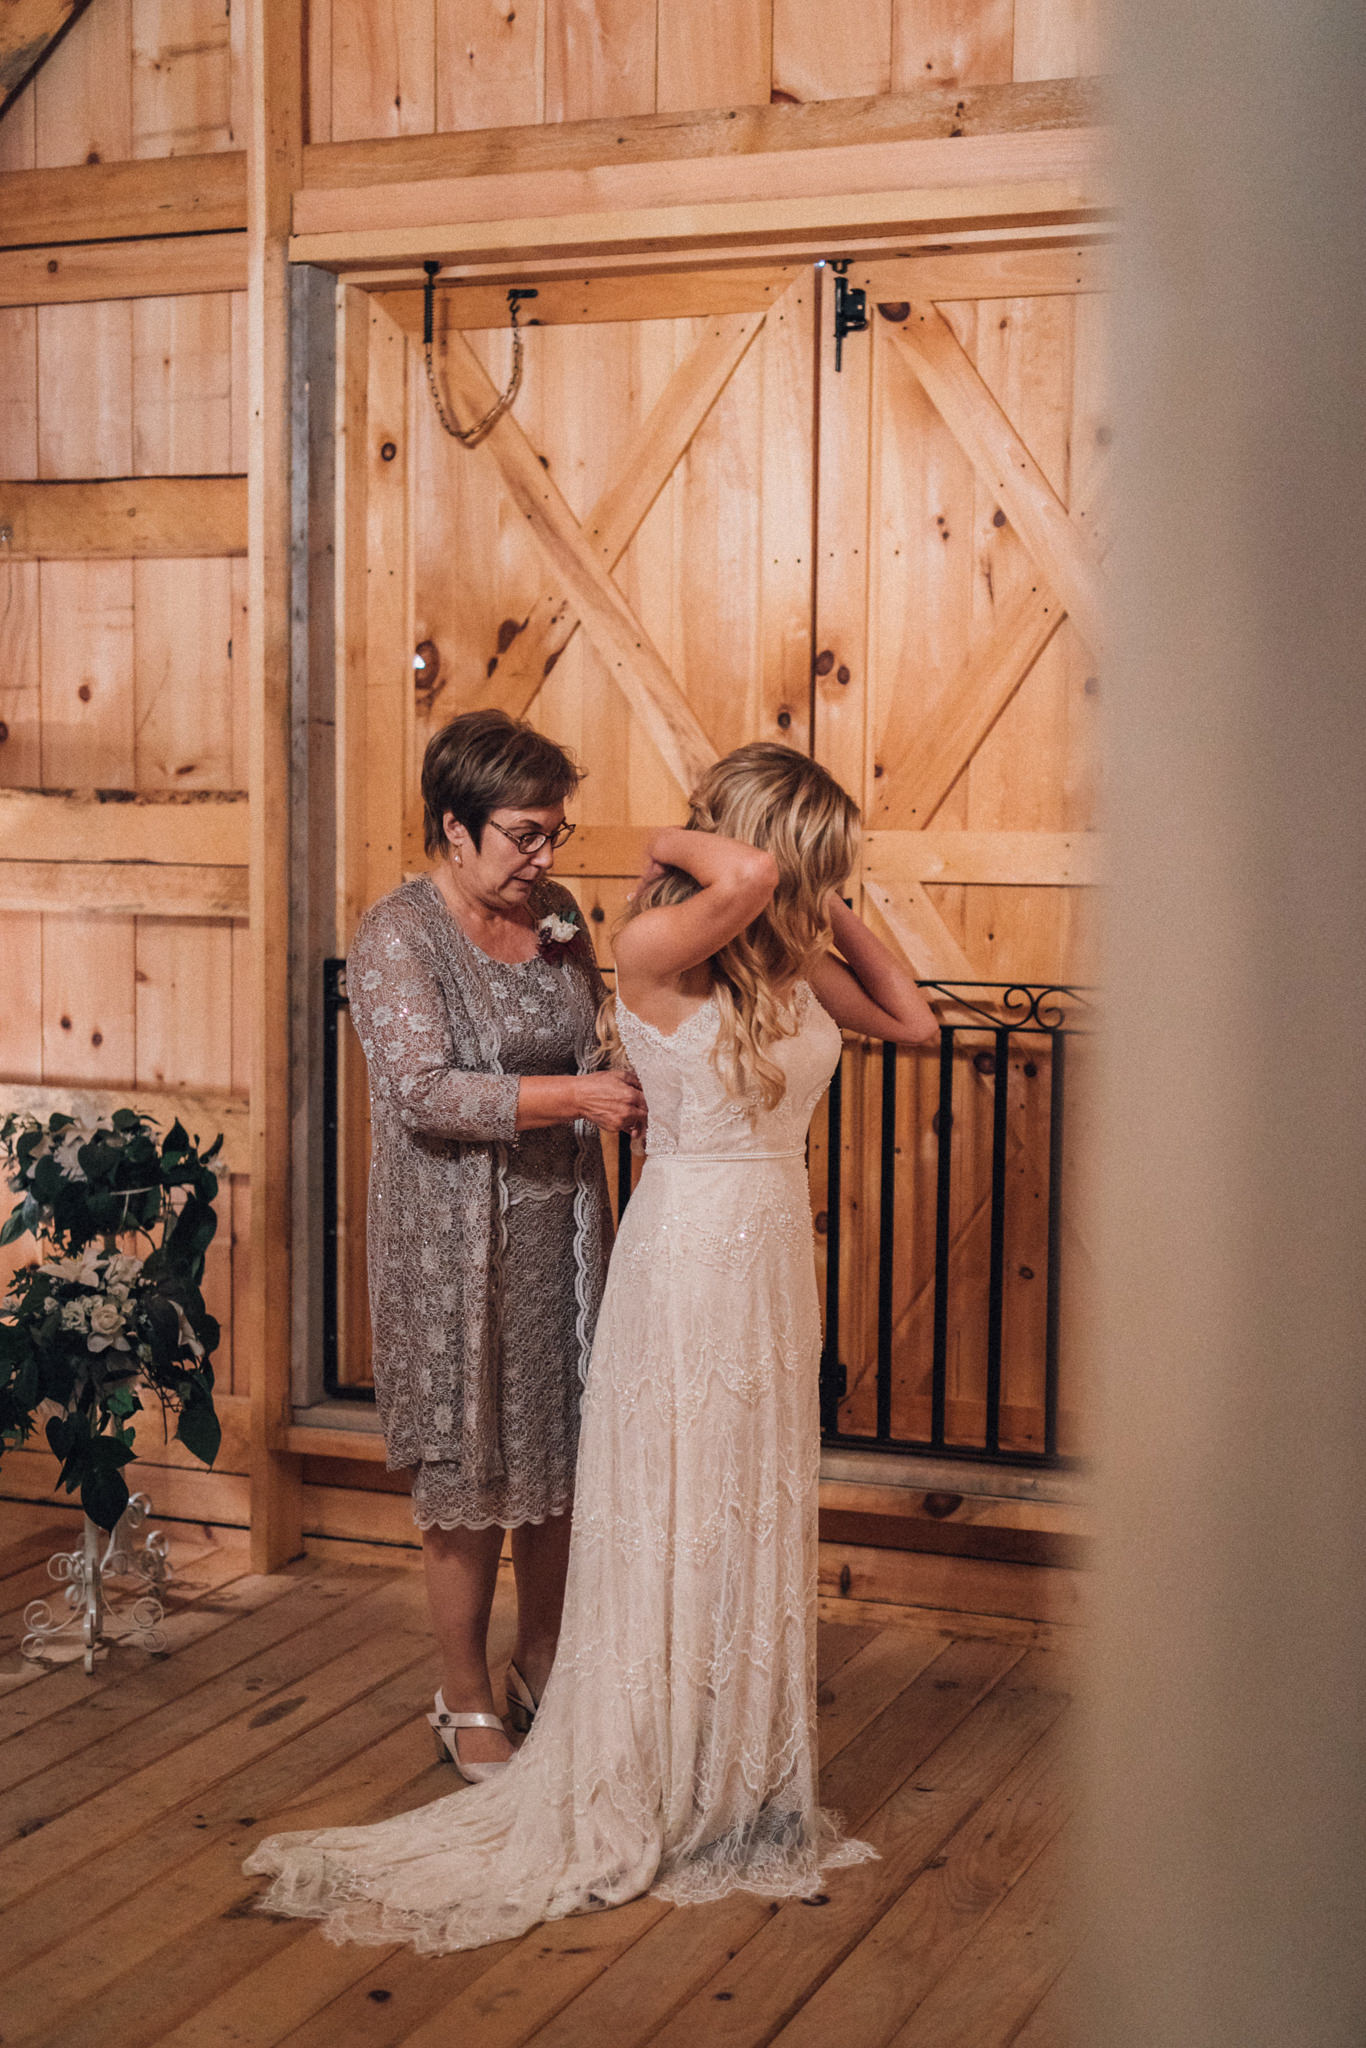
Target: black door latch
[(851, 308)]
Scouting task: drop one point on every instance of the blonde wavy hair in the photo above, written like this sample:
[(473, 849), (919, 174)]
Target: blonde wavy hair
[(774, 798)]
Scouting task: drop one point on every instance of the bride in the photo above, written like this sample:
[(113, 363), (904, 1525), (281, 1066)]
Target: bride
[(673, 1750)]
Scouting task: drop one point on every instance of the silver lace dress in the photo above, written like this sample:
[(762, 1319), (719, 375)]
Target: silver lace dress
[(487, 1247)]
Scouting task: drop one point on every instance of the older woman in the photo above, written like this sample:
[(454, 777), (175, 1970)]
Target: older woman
[(475, 994)]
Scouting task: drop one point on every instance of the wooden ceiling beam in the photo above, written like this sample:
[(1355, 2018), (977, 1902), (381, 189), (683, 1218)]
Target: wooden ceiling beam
[(30, 31)]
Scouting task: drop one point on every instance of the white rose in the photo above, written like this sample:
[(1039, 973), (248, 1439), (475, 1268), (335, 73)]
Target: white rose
[(76, 1315), (106, 1317), (123, 1269)]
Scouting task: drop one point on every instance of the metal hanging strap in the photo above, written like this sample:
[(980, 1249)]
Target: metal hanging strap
[(471, 436)]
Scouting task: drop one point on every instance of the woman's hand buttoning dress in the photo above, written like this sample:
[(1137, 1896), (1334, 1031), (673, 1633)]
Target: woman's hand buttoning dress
[(674, 1747)]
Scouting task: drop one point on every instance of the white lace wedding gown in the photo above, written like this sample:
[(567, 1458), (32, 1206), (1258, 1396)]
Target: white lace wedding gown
[(674, 1749)]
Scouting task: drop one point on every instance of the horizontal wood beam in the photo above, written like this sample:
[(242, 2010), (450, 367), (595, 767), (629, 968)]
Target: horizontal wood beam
[(123, 888), (995, 178), (203, 1112), (1063, 860), (572, 301), (172, 195), (162, 516), (1027, 273), (930, 113), (166, 267), (789, 229), (180, 828), (29, 31)]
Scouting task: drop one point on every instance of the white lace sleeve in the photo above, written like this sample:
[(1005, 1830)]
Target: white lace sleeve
[(399, 1009)]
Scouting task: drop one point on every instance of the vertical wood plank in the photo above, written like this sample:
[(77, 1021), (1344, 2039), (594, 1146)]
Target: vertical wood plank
[(714, 56), (21, 1033), (274, 160), (787, 453), (599, 58), (89, 1012), (184, 1040), (181, 77), (238, 384), (182, 385), (239, 89), (388, 621), (18, 138), (20, 699), (948, 42), (86, 628), (83, 96), (319, 94), (809, 63), (85, 389), (1059, 38), (182, 674), (490, 63), (383, 68), (19, 393)]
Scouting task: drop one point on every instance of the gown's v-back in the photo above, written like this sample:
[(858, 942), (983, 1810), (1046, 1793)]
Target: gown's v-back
[(674, 1749)]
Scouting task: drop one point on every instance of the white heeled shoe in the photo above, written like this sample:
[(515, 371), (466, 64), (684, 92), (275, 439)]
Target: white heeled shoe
[(446, 1728)]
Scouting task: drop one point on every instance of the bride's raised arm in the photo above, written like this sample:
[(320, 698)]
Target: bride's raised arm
[(866, 988), (734, 883)]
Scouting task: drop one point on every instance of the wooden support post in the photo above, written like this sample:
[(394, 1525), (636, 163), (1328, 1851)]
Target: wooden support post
[(274, 158)]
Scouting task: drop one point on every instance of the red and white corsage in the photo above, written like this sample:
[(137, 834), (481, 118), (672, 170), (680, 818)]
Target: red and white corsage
[(555, 935)]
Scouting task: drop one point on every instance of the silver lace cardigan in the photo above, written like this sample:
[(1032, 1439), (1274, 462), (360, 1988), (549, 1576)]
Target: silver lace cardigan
[(442, 1123)]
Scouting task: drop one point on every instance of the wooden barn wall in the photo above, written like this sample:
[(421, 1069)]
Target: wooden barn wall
[(128, 674)]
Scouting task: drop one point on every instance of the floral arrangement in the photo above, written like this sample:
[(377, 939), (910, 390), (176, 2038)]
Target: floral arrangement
[(555, 935), (96, 1327)]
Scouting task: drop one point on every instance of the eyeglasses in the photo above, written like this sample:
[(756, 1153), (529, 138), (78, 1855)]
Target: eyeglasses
[(531, 841)]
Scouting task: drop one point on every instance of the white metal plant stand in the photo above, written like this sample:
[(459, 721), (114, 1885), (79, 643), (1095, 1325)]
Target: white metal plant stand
[(93, 1619)]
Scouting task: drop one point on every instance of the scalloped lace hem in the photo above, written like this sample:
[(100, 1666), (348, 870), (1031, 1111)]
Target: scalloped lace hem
[(312, 1884)]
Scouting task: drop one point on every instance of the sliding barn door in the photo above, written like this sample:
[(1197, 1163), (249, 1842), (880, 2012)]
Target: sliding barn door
[(626, 560), (961, 538)]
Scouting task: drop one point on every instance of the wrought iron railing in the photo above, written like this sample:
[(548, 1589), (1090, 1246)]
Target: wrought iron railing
[(905, 1128), (940, 1397)]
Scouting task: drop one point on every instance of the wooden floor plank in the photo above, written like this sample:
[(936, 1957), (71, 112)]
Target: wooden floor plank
[(221, 1589), (996, 1628), (32, 1547), (129, 1960), (97, 1740), (196, 1566), (990, 1822), (1001, 1977), (785, 1965), (323, 1673), (860, 1690), (1052, 2024), (132, 1924), (835, 1645), (262, 1982), (684, 1952)]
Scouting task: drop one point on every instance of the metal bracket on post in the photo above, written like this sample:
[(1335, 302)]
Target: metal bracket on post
[(851, 308)]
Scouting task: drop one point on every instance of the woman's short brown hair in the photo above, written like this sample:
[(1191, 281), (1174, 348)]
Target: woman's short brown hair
[(484, 761)]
